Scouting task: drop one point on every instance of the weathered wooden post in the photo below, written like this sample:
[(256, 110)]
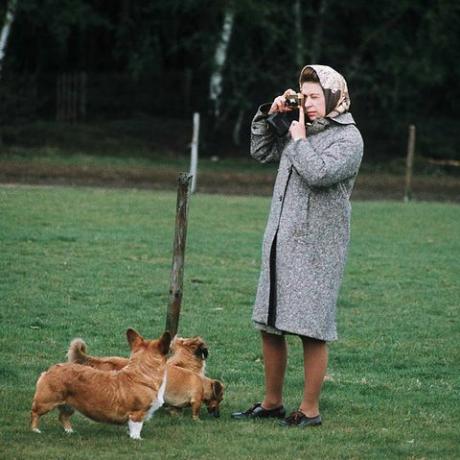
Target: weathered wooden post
[(177, 271), (409, 163)]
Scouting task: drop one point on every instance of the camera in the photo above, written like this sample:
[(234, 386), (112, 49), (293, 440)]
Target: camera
[(294, 100), (280, 122)]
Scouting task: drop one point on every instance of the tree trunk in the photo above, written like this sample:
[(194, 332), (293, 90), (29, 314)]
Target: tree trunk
[(220, 55), (299, 55), (315, 55), (355, 62), (9, 18), (237, 127)]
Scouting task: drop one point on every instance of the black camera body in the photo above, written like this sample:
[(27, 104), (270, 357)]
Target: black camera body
[(280, 122)]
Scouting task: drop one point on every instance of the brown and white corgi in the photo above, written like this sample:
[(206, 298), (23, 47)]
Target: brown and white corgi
[(129, 395)]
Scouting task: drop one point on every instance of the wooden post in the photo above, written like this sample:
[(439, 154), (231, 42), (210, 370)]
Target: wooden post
[(177, 271), (409, 163), (194, 149)]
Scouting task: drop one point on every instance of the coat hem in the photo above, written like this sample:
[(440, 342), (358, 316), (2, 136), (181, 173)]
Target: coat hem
[(275, 331)]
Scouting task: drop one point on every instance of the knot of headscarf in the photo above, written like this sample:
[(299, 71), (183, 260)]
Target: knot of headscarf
[(335, 89)]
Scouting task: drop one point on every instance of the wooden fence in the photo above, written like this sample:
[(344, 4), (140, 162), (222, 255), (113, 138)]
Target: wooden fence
[(71, 96)]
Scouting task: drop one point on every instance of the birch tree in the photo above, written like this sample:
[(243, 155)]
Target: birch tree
[(9, 18), (220, 56)]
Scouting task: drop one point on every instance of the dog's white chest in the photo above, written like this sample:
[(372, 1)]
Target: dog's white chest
[(160, 399)]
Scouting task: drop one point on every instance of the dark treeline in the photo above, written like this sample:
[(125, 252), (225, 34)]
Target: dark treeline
[(158, 58)]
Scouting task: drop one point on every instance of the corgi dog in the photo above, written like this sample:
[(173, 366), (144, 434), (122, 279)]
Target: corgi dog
[(188, 353), (185, 388), (130, 395)]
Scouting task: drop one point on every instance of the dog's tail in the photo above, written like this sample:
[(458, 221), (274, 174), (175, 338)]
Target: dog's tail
[(77, 352)]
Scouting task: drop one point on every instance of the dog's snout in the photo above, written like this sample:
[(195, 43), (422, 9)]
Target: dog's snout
[(214, 411)]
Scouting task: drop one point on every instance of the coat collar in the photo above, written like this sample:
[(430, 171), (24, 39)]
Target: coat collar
[(344, 119), (320, 124)]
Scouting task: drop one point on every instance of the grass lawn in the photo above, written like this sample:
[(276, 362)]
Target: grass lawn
[(93, 262)]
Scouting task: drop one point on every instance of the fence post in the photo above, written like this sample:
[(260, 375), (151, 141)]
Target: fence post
[(409, 163), (177, 271), (194, 149)]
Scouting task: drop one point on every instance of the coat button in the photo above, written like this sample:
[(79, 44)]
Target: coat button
[(281, 197)]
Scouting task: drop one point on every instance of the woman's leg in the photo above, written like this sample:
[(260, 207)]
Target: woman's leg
[(315, 354), (275, 358)]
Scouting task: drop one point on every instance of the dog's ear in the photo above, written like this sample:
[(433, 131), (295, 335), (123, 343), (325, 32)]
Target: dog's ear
[(165, 342), (217, 389), (134, 338), (172, 345), (202, 352)]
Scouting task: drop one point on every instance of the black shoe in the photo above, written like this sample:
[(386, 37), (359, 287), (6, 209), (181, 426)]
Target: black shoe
[(257, 411), (298, 418)]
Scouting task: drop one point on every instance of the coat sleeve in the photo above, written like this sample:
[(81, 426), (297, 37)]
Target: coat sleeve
[(336, 162), (265, 145)]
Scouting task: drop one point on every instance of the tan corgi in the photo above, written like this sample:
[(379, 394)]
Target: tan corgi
[(189, 353), (186, 388), (130, 395)]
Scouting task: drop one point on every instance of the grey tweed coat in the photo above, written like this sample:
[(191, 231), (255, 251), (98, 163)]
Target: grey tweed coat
[(306, 238)]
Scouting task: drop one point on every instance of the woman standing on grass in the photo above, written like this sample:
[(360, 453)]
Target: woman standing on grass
[(306, 238)]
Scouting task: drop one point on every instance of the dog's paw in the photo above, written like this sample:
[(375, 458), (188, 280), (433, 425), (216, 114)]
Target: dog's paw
[(174, 411), (135, 429), (68, 430), (36, 430)]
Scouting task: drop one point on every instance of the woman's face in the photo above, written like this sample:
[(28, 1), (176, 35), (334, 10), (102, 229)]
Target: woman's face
[(314, 101)]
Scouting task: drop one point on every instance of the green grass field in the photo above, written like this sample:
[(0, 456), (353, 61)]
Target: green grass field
[(93, 262)]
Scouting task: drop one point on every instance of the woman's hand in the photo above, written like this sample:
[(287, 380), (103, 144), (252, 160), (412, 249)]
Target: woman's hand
[(298, 129), (279, 103)]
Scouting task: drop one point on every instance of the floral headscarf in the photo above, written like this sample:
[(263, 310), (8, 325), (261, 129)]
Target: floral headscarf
[(334, 87)]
